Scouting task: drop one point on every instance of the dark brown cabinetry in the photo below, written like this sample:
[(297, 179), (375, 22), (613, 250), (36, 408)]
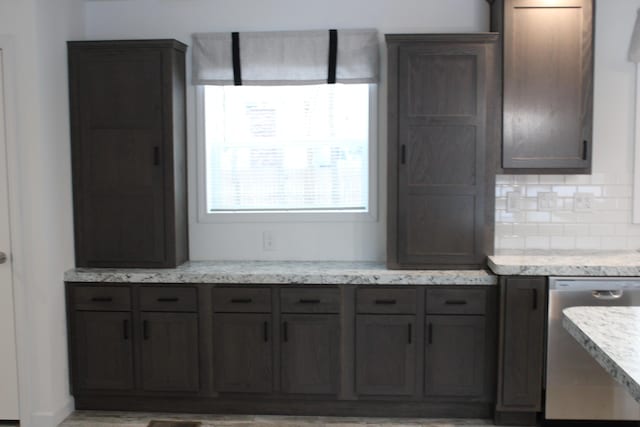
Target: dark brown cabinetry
[(443, 131), (521, 353), (128, 152), (548, 84), (112, 338), (386, 342)]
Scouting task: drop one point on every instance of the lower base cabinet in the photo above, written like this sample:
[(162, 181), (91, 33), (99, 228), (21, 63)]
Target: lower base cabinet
[(342, 350)]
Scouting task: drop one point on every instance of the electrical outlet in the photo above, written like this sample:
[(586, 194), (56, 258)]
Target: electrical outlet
[(583, 202), (547, 201), (268, 241), (514, 201)]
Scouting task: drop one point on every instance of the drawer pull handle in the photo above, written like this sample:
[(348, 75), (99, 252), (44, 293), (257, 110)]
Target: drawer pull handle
[(285, 331), (309, 301), (241, 301), (145, 329), (410, 333), (101, 299), (265, 331), (174, 299), (430, 333), (125, 329), (385, 301), (535, 299), (455, 302)]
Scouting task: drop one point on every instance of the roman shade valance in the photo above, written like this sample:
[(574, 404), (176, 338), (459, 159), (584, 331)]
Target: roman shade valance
[(286, 57)]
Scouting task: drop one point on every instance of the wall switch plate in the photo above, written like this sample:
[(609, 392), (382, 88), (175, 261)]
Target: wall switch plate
[(547, 201), (583, 202), (514, 201), (268, 241)]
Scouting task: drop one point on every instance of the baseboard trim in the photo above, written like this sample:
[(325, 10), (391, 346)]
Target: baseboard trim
[(53, 418)]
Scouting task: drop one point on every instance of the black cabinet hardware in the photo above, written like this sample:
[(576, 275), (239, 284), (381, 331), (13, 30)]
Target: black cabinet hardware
[(430, 333), (173, 299), (102, 299), (410, 333), (385, 301), (285, 332), (585, 147), (241, 300), (265, 331), (403, 154), (156, 155), (145, 329), (455, 302), (309, 301), (535, 298), (125, 329)]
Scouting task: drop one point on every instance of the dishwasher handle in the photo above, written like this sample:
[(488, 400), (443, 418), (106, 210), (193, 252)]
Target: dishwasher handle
[(607, 295)]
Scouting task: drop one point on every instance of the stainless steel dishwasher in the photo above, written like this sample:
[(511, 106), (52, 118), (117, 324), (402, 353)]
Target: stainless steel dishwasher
[(577, 388)]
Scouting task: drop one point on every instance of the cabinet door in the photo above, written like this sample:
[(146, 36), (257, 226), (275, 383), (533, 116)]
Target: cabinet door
[(103, 350), (523, 308), (548, 85), (455, 356), (385, 355), (170, 357), (309, 353), (243, 352), (441, 206)]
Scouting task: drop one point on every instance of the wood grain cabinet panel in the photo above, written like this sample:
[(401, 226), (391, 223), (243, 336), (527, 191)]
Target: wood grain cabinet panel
[(443, 133), (128, 152), (548, 84)]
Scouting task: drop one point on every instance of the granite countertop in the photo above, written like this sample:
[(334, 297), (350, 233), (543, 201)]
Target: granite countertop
[(612, 336), (573, 263), (282, 272)]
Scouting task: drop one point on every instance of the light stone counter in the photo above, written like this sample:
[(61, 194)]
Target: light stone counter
[(574, 263), (612, 336), (283, 272)]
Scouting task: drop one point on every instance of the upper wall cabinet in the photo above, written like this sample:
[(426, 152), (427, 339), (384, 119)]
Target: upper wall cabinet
[(443, 127), (548, 84), (128, 152)]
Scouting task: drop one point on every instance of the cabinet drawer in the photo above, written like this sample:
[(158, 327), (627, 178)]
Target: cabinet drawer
[(397, 301), (108, 298), (161, 298), (242, 300), (312, 300), (455, 301)]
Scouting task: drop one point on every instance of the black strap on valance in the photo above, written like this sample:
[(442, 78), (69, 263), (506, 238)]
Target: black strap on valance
[(235, 54), (333, 56)]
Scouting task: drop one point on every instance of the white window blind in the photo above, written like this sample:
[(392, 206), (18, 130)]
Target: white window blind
[(287, 148)]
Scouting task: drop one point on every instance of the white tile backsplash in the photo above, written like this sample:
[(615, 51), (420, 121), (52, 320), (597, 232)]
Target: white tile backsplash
[(605, 225)]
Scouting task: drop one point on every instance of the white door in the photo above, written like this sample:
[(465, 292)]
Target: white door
[(8, 363)]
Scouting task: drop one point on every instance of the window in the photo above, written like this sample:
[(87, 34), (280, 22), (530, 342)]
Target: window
[(298, 149)]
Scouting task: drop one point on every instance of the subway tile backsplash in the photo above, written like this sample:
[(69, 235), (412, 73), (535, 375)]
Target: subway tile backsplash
[(558, 212)]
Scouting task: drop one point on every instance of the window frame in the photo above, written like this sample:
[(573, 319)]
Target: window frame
[(284, 216)]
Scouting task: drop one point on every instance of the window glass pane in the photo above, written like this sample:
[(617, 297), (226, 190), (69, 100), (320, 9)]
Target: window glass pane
[(287, 147)]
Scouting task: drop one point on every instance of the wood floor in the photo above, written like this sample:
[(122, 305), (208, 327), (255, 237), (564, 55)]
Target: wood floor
[(128, 419)]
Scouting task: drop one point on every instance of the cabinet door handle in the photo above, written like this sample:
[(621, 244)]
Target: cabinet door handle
[(430, 333), (410, 337), (101, 299), (265, 331), (535, 299), (309, 301), (156, 155), (585, 147), (455, 302), (241, 300), (145, 329), (285, 331), (125, 329), (174, 299), (403, 154), (385, 301)]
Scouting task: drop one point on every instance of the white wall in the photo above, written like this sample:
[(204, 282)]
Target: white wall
[(608, 224), (179, 19), (39, 30)]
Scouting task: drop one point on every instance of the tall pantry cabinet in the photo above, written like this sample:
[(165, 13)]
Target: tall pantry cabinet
[(128, 139), (444, 123)]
